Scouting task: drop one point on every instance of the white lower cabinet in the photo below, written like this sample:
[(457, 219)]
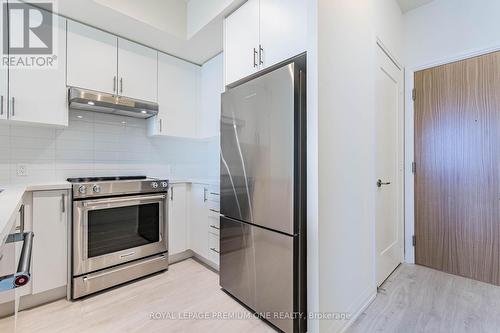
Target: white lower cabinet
[(50, 256), (205, 228), (199, 217), (177, 219)]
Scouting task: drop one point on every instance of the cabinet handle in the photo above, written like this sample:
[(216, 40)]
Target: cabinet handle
[(261, 52), (172, 193), (121, 85), (254, 57), (213, 249), (161, 125), (205, 194), (1, 105), (20, 229), (214, 227), (114, 83), (13, 107), (63, 203)]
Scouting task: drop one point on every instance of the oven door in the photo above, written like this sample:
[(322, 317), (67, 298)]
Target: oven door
[(112, 231)]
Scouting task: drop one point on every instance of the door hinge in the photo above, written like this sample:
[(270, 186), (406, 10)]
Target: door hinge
[(414, 94), (414, 167), (413, 240)]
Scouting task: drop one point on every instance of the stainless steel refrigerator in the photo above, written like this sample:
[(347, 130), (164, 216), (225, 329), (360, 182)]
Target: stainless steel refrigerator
[(263, 195)]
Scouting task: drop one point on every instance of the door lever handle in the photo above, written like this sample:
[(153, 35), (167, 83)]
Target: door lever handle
[(380, 183)]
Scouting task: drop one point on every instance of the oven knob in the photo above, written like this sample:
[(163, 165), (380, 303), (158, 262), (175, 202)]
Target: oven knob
[(82, 189), (164, 184), (97, 188), (154, 185)]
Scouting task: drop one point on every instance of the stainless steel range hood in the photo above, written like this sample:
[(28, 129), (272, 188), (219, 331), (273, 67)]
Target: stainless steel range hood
[(89, 100)]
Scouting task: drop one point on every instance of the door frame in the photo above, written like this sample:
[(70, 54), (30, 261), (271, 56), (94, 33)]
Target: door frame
[(409, 132), (401, 157)]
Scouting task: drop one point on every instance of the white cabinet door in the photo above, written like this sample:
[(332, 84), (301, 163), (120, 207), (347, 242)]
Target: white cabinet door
[(283, 29), (91, 59), (177, 219), (39, 96), (212, 86), (199, 220), (177, 98), (241, 39), (3, 72), (50, 222), (137, 71)]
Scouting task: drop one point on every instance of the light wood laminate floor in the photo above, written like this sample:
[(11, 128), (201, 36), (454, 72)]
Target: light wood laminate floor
[(187, 287), (420, 299)]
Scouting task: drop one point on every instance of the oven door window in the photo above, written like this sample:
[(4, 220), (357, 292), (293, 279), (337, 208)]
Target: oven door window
[(120, 228)]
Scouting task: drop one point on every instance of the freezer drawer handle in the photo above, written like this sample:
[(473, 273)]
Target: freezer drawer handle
[(213, 249), (22, 276)]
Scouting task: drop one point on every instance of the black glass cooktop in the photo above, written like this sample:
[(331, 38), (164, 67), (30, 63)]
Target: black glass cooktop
[(103, 179)]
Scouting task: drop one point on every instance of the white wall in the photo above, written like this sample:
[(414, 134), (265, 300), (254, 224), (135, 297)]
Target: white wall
[(165, 15), (312, 166), (346, 60), (202, 12), (98, 145), (389, 26), (211, 86), (446, 29)]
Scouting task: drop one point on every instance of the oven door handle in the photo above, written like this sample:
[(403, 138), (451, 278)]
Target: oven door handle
[(123, 199)]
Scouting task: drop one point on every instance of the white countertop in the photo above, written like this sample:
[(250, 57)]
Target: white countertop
[(11, 199)]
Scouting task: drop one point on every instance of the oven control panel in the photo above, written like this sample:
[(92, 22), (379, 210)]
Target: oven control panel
[(119, 187)]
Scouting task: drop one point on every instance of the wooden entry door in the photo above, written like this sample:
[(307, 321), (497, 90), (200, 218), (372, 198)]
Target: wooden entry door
[(457, 148)]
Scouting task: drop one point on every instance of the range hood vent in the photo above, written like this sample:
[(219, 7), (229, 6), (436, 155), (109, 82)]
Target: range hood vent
[(89, 100)]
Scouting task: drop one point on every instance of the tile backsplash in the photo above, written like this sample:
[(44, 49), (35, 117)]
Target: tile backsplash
[(97, 144)]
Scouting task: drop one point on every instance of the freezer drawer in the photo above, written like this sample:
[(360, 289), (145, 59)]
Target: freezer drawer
[(257, 268)]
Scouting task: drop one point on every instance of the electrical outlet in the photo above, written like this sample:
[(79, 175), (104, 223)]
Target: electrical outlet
[(22, 170)]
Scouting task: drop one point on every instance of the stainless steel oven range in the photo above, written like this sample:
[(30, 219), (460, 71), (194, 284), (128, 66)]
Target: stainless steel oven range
[(119, 231)]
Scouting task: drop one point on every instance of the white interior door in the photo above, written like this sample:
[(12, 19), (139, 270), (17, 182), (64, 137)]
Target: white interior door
[(389, 163)]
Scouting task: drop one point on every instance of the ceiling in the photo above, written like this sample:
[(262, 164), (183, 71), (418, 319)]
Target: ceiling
[(188, 29), (407, 5)]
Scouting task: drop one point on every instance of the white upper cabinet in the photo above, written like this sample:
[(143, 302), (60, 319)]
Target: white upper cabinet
[(92, 58), (275, 29), (39, 96), (241, 35), (211, 86), (177, 98), (283, 30), (137, 71)]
